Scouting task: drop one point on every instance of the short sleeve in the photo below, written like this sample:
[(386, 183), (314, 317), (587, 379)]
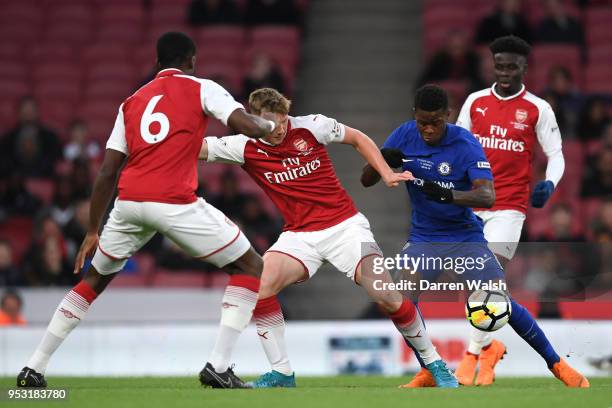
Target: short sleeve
[(216, 101), (394, 139), (477, 165), (325, 130), (464, 119), (117, 140), (228, 149)]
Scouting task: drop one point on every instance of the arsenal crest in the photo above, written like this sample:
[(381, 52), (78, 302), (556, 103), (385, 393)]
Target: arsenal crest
[(301, 145), (520, 115)]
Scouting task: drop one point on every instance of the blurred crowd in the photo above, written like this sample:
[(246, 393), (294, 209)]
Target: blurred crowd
[(464, 65), (34, 160), (47, 172)]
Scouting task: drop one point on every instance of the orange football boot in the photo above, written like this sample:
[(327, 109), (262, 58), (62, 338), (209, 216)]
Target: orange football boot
[(422, 379), (489, 357), (466, 370), (569, 376)]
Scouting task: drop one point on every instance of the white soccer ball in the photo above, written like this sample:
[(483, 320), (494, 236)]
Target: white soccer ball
[(488, 310)]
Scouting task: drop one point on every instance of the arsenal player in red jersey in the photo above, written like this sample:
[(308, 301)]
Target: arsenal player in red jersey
[(509, 121), (321, 223), (153, 150)]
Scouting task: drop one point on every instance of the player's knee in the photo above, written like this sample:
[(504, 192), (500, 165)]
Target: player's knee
[(388, 306), (97, 281), (250, 264)]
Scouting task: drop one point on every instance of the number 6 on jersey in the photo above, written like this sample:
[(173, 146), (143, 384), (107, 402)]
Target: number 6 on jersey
[(148, 117)]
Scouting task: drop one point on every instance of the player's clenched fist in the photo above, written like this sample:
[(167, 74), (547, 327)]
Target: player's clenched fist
[(87, 249)]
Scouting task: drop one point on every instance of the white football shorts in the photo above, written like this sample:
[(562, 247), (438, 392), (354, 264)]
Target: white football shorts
[(502, 228), (344, 245), (198, 228)]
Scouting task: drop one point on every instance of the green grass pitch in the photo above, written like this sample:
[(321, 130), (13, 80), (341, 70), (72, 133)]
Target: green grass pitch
[(344, 391)]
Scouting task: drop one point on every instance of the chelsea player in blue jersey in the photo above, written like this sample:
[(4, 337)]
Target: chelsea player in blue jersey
[(452, 175)]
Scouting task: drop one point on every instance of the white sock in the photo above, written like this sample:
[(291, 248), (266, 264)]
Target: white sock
[(410, 324), (478, 340), (68, 315), (416, 335), (226, 340), (236, 312), (271, 330)]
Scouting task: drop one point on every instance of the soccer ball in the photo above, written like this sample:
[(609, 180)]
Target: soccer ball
[(488, 310)]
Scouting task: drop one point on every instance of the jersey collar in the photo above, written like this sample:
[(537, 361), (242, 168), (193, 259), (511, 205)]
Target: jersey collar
[(507, 98), (168, 72)]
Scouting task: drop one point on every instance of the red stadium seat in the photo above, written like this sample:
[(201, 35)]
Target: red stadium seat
[(598, 79), (13, 89), (120, 33), (100, 111), (106, 52), (127, 14), (10, 51), (56, 71), (117, 70), (50, 52), (598, 35), (72, 13), (18, 231), (41, 188), (227, 36), (591, 208), (13, 70), (183, 4), (168, 14), (56, 90), (8, 114), (18, 33), (22, 12), (218, 53), (601, 53), (157, 29), (73, 34), (288, 36), (535, 11), (108, 89), (287, 59), (598, 17), (228, 74), (58, 113), (545, 57)]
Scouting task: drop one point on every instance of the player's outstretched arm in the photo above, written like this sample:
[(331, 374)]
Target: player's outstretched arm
[(103, 190), (393, 157), (368, 149), (250, 125)]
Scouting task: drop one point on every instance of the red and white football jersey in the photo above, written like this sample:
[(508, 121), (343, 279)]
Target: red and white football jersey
[(508, 129), (160, 129), (297, 175)]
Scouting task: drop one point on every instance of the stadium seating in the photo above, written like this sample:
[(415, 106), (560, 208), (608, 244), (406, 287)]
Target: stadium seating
[(18, 231)]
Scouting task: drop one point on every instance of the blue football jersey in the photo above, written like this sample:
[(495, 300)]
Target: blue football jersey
[(454, 163)]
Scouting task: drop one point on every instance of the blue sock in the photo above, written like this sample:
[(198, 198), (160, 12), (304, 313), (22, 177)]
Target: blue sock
[(421, 362), (525, 326)]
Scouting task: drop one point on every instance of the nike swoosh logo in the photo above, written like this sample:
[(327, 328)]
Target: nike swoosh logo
[(407, 160), (226, 384)]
